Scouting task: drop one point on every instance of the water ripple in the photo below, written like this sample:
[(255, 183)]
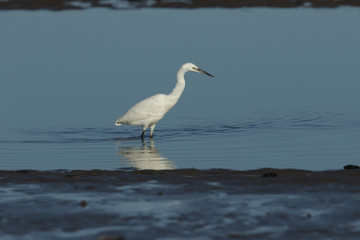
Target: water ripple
[(212, 127)]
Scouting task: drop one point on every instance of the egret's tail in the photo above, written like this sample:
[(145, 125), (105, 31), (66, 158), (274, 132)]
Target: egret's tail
[(119, 121)]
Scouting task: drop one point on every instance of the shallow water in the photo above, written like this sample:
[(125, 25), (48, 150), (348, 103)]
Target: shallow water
[(280, 143), (285, 92)]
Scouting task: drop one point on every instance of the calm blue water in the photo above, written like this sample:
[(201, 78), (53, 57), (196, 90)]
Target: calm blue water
[(285, 92)]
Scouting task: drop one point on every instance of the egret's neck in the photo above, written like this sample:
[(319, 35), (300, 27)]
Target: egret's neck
[(180, 85)]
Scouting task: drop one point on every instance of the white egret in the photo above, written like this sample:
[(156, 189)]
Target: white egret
[(149, 111)]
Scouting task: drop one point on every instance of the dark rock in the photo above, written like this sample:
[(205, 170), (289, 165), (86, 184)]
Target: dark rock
[(351, 167), (270, 174), (83, 203), (110, 238)]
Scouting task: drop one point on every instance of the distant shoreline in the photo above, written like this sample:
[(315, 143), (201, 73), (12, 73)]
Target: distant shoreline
[(131, 4)]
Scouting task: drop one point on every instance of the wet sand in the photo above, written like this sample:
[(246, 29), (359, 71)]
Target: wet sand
[(178, 204)]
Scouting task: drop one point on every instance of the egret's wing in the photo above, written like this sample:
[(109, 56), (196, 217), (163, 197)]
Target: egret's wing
[(150, 109)]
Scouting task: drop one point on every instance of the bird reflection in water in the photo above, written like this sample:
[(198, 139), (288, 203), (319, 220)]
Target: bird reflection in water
[(146, 156)]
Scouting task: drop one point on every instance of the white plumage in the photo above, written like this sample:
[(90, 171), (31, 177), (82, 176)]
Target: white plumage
[(149, 111)]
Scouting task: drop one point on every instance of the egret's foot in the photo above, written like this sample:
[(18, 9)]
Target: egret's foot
[(142, 135)]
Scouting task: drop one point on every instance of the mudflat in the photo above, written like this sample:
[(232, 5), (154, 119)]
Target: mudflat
[(178, 204)]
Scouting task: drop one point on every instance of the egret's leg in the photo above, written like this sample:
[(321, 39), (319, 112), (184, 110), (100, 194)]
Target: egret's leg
[(152, 130), (143, 132)]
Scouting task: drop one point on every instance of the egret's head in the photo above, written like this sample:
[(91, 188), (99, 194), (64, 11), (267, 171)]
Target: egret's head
[(192, 67)]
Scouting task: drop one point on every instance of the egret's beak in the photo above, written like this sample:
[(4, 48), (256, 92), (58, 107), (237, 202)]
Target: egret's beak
[(202, 71)]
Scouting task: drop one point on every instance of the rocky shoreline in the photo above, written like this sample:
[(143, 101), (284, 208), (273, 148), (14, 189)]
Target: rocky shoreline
[(178, 204)]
